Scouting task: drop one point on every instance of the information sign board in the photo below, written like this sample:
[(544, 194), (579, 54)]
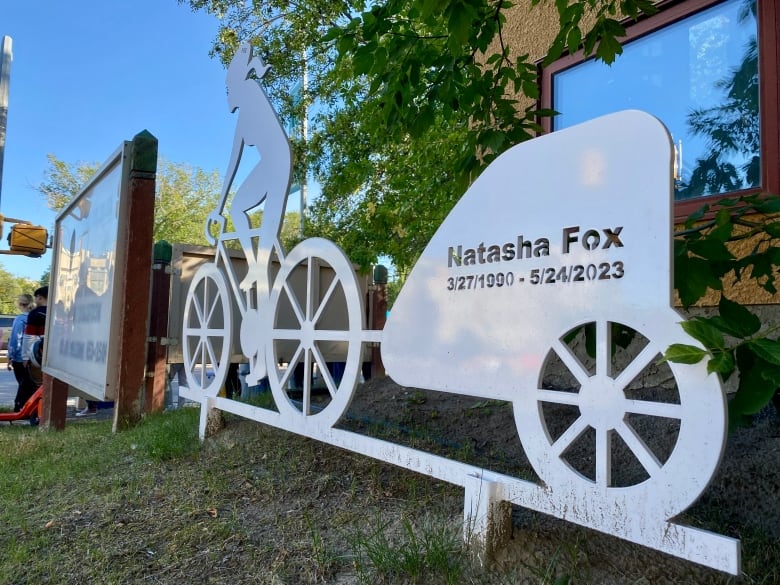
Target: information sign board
[(82, 297)]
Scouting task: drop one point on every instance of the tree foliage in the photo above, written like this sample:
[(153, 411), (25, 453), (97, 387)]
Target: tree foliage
[(407, 101), (63, 181), (734, 340), (10, 288), (184, 195)]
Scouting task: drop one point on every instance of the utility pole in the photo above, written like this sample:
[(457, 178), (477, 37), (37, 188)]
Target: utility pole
[(305, 137), (5, 74)]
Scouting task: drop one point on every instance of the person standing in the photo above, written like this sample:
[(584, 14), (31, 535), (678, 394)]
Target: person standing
[(35, 330), (25, 386)]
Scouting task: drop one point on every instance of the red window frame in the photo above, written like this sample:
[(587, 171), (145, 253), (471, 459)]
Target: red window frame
[(769, 86)]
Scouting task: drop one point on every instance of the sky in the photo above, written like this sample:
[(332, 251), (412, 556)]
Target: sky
[(87, 75)]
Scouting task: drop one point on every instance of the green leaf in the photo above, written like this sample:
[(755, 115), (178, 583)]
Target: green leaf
[(555, 51), (753, 392), (767, 349), (768, 205), (736, 320), (696, 216), (721, 233), (363, 61), (773, 229), (721, 362), (702, 330), (429, 8), (573, 39), (727, 202), (722, 217), (710, 249), (609, 48), (772, 375), (681, 353), (693, 277), (459, 25)]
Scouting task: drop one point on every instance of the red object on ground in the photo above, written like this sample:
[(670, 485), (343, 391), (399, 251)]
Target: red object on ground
[(30, 409)]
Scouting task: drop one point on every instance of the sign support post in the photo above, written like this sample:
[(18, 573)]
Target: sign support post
[(156, 362), (54, 403), (134, 303)]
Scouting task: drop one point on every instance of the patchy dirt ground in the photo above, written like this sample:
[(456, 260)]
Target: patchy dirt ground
[(742, 500), (260, 505)]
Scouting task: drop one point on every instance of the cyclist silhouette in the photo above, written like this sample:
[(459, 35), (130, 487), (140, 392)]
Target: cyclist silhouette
[(257, 125)]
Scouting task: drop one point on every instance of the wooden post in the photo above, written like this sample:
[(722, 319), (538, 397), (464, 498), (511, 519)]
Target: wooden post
[(156, 375), (54, 404), (379, 316), (134, 278)]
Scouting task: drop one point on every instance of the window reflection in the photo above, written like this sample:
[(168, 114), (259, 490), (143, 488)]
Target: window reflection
[(698, 75)]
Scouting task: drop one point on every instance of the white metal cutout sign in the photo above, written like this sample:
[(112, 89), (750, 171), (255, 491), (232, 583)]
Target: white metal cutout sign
[(548, 286)]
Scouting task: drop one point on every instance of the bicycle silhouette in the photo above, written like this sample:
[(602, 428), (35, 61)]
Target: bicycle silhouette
[(516, 272), (299, 311)]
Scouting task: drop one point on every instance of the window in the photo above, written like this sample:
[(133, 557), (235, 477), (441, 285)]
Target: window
[(695, 65)]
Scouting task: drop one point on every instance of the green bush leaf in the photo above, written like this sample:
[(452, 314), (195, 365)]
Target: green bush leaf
[(767, 350), (722, 363), (705, 332), (768, 205), (773, 229), (752, 395), (573, 39), (710, 249), (736, 320), (753, 392), (680, 353), (772, 375)]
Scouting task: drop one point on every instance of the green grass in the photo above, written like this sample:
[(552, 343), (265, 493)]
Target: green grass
[(257, 505)]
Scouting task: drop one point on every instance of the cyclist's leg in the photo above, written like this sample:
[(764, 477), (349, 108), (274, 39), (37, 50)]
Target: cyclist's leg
[(246, 198), (271, 179)]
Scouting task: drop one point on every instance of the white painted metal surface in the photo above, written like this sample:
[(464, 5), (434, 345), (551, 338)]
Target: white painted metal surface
[(566, 230)]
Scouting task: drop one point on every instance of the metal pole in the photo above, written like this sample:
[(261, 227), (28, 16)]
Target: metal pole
[(5, 75), (304, 136)]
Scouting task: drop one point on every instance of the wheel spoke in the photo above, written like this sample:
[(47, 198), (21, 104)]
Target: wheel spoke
[(330, 383), (309, 285), (290, 367), (214, 305), (198, 310), (633, 369), (205, 332), (205, 304), (212, 356), (325, 301), (287, 334), (331, 335), (203, 376), (571, 434), (570, 361), (662, 409), (603, 456), (603, 347), (296, 307), (639, 448), (307, 382), (558, 397), (320, 334)]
